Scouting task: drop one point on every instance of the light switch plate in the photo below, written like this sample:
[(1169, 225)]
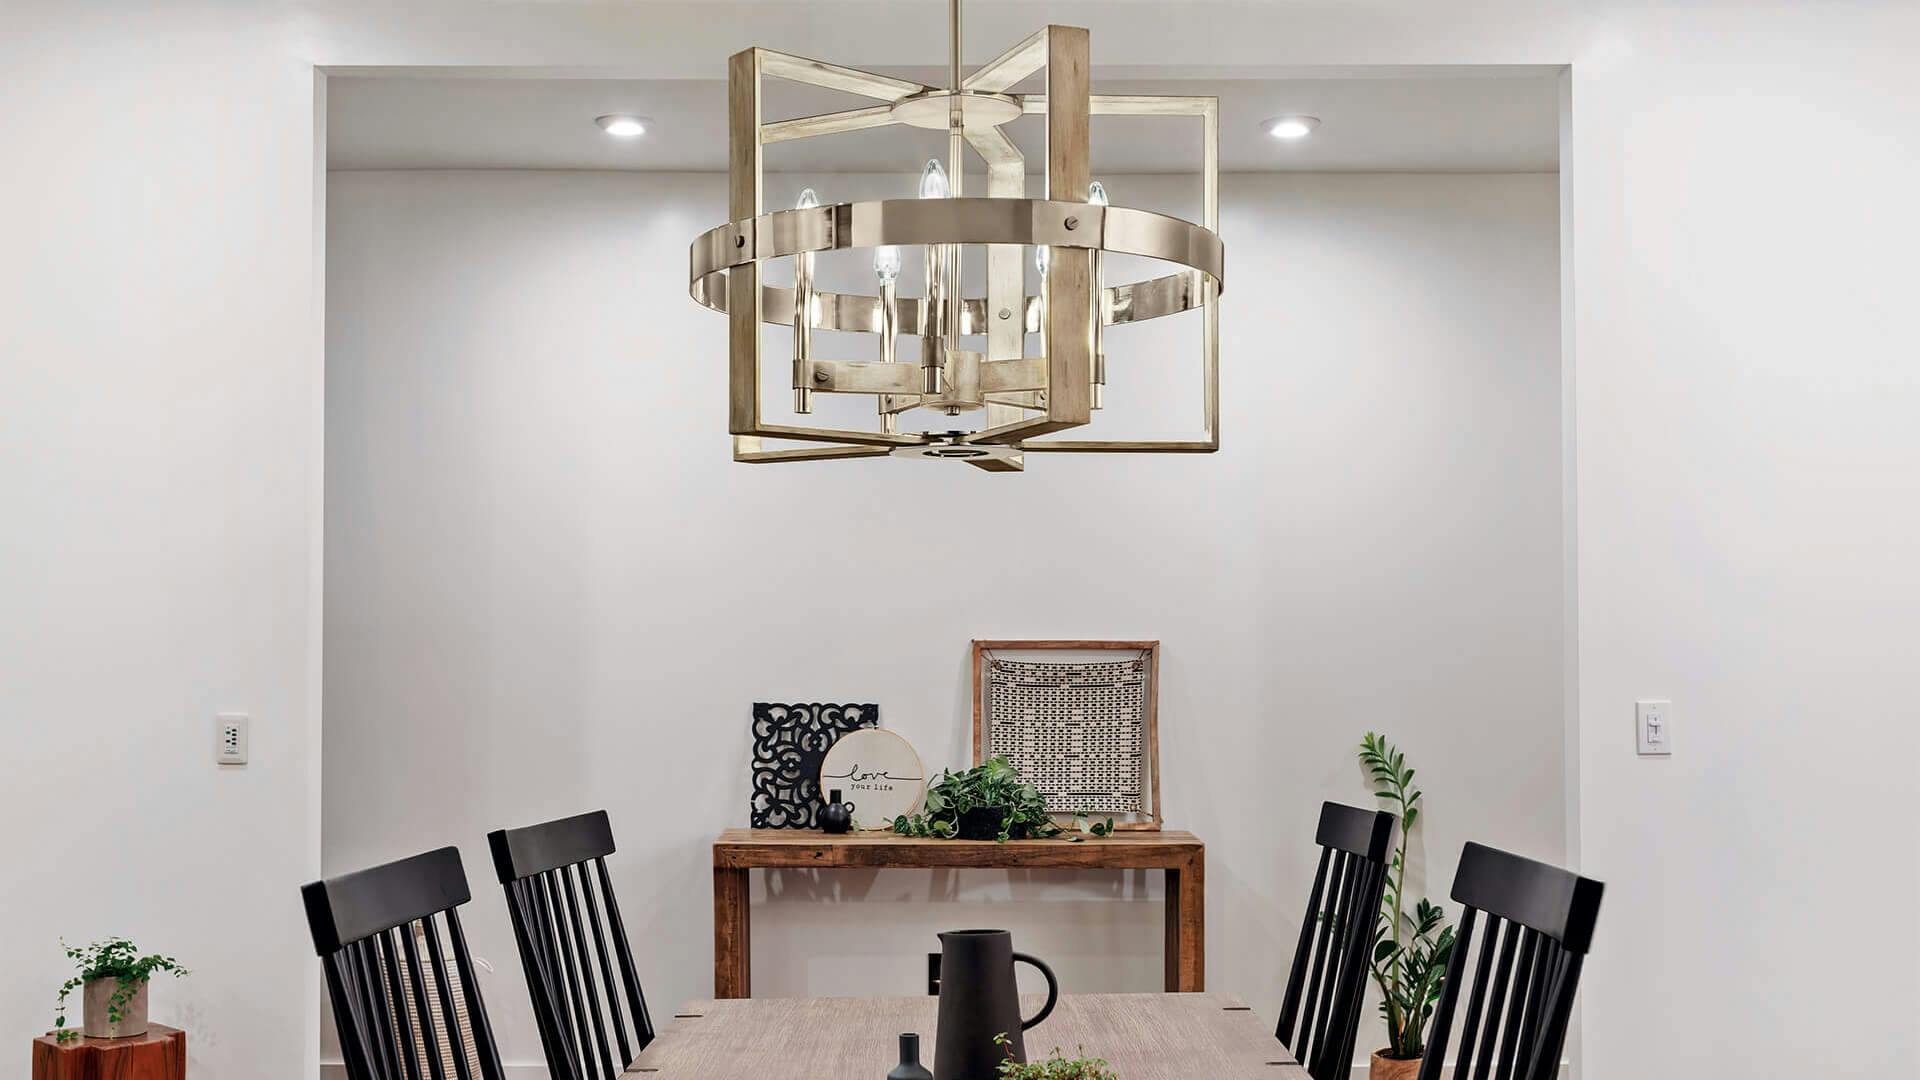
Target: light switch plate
[(230, 739), (1653, 727)]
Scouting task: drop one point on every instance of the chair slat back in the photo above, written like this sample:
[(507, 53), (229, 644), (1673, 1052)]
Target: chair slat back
[(1320, 1013), (397, 1014), (586, 992), (1538, 927)]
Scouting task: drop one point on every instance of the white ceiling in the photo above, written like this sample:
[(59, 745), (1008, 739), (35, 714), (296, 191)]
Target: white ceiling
[(1426, 120)]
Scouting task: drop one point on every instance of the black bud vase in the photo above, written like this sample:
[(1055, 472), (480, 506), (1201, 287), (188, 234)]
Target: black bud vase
[(910, 1067), (836, 816)]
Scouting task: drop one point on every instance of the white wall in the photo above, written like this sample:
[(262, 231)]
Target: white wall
[(1749, 515), (159, 520), (549, 588), (1741, 175)]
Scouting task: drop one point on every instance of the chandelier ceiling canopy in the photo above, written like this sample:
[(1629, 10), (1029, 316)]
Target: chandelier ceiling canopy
[(1025, 399)]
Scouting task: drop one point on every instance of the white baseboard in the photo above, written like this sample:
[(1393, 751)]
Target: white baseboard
[(333, 1070), (1359, 1071)]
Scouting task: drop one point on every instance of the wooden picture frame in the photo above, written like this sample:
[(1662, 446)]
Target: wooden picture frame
[(1149, 820)]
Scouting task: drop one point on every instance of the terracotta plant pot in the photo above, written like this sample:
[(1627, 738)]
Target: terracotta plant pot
[(1386, 1068), (133, 1015)]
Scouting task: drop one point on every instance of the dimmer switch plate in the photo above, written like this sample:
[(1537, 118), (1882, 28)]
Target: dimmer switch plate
[(1653, 721), (230, 739)]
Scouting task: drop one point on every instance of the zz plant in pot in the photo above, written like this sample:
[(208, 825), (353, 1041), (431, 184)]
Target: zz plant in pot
[(1412, 948), (986, 802), (112, 979)]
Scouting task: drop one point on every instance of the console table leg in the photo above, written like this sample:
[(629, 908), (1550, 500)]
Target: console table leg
[(1186, 948), (732, 934)]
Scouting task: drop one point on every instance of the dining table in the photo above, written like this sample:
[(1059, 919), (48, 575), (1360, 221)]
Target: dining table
[(1203, 1036)]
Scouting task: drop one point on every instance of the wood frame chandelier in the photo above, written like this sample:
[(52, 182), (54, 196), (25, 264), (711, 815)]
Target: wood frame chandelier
[(1025, 398)]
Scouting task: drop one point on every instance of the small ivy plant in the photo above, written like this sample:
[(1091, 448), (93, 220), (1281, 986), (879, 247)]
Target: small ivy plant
[(1055, 1067), (115, 958), (991, 785)]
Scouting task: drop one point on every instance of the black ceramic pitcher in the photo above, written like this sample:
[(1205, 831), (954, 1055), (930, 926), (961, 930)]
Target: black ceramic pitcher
[(978, 1001)]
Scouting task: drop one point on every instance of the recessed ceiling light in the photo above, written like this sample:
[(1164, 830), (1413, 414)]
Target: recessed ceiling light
[(1292, 127), (622, 125)]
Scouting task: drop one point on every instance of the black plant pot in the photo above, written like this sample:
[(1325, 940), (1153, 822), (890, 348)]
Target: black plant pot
[(982, 823)]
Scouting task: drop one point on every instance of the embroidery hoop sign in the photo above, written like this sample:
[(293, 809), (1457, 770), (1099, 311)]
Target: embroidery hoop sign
[(879, 772), (1069, 652)]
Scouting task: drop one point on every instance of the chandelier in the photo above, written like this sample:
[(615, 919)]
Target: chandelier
[(1025, 399)]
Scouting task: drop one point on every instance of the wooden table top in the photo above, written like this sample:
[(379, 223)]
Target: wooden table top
[(1133, 850), (1142, 1036)]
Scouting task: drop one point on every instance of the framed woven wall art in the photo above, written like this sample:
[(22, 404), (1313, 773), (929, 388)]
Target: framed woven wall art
[(1079, 719)]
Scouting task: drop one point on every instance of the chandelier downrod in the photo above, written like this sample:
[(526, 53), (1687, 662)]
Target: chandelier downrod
[(953, 47), (938, 380)]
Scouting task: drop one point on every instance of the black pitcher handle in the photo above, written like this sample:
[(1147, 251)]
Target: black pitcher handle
[(1053, 989)]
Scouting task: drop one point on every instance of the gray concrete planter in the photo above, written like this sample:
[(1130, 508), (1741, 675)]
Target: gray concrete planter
[(133, 1015)]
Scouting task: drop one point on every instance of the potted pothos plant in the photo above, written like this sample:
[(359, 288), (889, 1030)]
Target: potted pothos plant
[(986, 802), (112, 981), (1412, 950)]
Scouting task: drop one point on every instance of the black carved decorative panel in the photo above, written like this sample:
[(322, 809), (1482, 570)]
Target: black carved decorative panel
[(789, 742)]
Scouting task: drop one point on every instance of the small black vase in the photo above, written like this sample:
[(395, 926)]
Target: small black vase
[(910, 1067), (836, 816)]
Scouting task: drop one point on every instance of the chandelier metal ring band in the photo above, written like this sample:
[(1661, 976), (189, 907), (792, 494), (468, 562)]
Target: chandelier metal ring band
[(859, 313), (992, 220), (903, 222)]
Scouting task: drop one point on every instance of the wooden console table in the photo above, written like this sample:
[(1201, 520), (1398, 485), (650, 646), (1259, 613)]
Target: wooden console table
[(1180, 854), (160, 1054)]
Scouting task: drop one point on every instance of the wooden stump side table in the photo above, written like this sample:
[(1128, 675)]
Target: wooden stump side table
[(160, 1054)]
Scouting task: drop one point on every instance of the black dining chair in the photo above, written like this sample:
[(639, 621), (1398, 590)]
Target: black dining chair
[(1539, 922), (1320, 1013), (550, 873), (400, 1019)]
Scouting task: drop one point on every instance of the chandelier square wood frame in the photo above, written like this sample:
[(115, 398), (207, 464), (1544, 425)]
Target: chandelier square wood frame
[(1057, 386)]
